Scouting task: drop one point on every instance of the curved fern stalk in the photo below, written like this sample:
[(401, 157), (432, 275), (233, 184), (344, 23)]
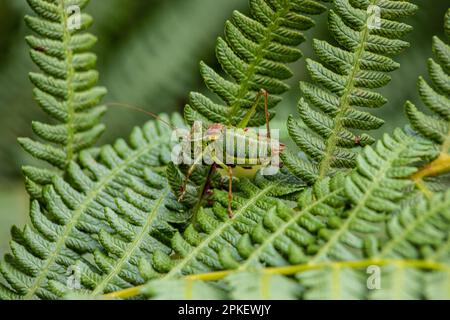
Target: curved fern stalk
[(71, 213), (254, 53), (420, 231), (65, 89), (374, 189), (437, 98), (342, 81)]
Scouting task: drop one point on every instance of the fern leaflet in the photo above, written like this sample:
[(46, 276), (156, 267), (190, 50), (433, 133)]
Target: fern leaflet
[(70, 218), (254, 53), (329, 107), (435, 127), (65, 89)]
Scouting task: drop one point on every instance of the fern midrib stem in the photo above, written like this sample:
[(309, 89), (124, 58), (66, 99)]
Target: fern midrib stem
[(353, 214), (69, 147), (71, 73), (352, 264), (131, 248), (344, 104), (91, 196), (179, 267), (411, 227), (256, 254), (293, 269), (244, 85)]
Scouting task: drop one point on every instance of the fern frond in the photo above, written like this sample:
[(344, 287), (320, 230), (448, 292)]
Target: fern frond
[(436, 126), (122, 179), (200, 248), (435, 97), (142, 226), (343, 80), (283, 237), (264, 232), (65, 89), (420, 231), (254, 53), (375, 189)]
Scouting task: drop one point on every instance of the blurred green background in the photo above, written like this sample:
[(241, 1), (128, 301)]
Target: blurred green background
[(148, 53)]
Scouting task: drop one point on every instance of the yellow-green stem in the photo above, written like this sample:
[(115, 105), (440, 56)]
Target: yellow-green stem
[(290, 270), (438, 166)]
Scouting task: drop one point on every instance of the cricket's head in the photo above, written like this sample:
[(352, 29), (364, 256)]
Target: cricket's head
[(214, 132)]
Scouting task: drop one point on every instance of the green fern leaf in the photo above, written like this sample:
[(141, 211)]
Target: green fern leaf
[(278, 239), (435, 127), (70, 219), (65, 89), (342, 81), (420, 231), (374, 189), (254, 53), (200, 248), (435, 97)]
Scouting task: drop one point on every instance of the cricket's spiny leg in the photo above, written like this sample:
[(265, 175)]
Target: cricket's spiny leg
[(230, 191)]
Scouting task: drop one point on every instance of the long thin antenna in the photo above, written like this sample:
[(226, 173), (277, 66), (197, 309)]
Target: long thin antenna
[(135, 108)]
